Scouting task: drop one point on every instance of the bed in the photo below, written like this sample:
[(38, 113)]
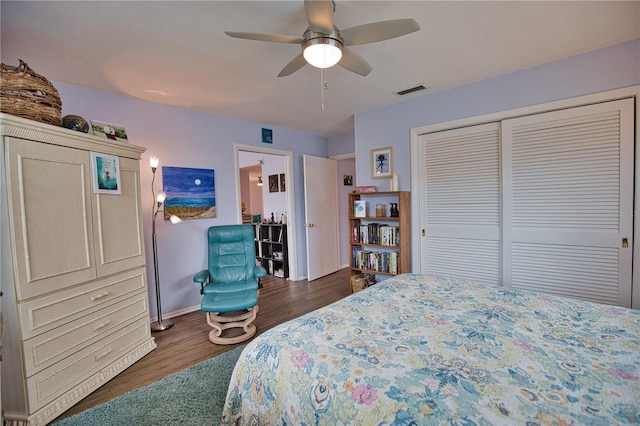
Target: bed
[(415, 349)]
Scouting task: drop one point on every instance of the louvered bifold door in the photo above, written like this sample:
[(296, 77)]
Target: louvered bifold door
[(568, 202), (461, 207)]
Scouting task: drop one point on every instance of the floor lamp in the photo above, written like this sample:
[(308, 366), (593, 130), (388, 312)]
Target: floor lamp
[(158, 206)]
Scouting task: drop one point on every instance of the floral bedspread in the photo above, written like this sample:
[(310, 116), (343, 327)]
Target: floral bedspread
[(415, 349)]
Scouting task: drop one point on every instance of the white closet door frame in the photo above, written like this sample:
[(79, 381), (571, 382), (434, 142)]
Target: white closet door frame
[(417, 172)]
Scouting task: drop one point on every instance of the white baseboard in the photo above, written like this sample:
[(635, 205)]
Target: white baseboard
[(177, 313)]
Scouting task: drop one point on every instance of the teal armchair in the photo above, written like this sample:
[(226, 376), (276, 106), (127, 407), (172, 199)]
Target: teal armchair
[(230, 286)]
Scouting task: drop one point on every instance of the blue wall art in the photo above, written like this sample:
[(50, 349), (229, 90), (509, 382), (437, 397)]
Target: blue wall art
[(190, 192)]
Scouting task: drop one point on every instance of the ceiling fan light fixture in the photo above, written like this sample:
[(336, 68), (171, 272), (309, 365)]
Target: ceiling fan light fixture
[(322, 52)]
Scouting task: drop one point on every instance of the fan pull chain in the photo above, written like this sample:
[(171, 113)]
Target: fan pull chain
[(323, 87)]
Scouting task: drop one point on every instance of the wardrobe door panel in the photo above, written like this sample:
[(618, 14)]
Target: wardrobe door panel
[(51, 212), (118, 232)]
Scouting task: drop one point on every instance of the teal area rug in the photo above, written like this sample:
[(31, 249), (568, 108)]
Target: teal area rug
[(193, 396)]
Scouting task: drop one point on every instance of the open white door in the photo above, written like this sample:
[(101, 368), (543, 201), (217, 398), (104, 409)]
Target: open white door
[(321, 216)]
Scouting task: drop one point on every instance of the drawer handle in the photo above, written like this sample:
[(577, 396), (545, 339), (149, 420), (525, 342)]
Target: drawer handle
[(99, 296), (103, 354), (101, 326)]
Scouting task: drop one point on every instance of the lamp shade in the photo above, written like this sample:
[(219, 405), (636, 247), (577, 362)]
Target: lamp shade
[(154, 161), (259, 180), (322, 52), (161, 197), (174, 219)]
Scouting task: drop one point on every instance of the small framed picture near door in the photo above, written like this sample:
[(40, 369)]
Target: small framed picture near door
[(105, 170), (382, 162), (273, 183), (283, 185)]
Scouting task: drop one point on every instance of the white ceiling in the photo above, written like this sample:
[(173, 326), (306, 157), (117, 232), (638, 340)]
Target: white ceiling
[(176, 52)]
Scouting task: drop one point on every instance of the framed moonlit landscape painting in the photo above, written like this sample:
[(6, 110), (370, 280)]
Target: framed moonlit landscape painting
[(190, 192)]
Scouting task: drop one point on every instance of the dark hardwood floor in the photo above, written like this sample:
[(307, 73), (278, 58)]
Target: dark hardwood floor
[(186, 343)]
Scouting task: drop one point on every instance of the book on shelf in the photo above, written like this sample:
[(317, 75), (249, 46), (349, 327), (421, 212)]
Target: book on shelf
[(359, 208), (355, 234)]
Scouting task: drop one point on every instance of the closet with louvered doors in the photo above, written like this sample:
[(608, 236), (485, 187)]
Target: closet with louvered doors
[(542, 202)]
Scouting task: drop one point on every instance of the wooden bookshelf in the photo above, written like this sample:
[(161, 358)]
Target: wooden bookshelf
[(380, 244)]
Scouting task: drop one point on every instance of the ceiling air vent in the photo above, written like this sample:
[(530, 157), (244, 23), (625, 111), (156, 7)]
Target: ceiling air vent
[(413, 89)]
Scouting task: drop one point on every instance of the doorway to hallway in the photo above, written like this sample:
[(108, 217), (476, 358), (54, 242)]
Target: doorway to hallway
[(277, 196)]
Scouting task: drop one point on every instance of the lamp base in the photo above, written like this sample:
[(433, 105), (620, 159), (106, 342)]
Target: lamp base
[(161, 325)]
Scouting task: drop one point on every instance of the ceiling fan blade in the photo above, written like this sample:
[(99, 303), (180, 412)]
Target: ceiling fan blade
[(276, 38), (354, 62), (319, 15), (293, 66), (378, 31)]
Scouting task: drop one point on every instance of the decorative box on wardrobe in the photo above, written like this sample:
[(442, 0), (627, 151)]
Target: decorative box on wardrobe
[(75, 306)]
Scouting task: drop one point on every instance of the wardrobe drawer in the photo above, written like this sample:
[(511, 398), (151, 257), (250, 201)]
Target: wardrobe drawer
[(50, 383), (52, 311), (50, 347)]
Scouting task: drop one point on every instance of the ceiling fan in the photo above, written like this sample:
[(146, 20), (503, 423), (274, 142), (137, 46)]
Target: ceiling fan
[(324, 45)]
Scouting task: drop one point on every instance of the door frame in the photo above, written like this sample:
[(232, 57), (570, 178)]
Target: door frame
[(290, 207), (342, 220), (417, 199)]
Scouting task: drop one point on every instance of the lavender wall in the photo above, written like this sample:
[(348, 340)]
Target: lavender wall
[(186, 138), (341, 145), (601, 70)]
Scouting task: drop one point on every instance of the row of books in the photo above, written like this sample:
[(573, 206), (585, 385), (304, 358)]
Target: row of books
[(376, 260), (376, 233)]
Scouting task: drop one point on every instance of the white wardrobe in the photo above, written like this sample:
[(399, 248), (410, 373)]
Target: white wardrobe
[(75, 306), (540, 202)]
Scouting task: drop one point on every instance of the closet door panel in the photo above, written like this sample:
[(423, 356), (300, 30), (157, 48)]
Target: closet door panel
[(568, 199), (462, 208)]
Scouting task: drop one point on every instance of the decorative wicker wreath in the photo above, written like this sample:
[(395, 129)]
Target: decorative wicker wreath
[(25, 93)]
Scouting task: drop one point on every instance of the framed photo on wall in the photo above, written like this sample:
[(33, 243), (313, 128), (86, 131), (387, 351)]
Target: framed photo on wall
[(105, 171), (273, 183), (283, 186), (267, 136), (382, 162)]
